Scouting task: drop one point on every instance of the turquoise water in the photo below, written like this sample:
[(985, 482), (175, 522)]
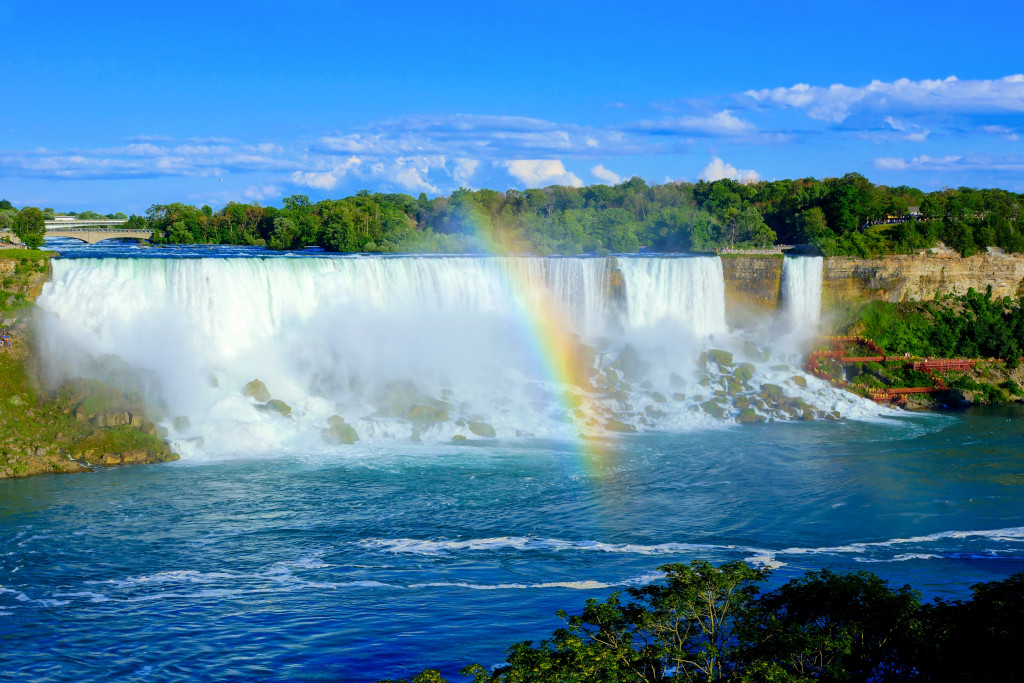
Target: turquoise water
[(381, 561)]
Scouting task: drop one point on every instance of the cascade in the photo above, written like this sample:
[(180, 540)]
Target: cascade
[(801, 293), (410, 347)]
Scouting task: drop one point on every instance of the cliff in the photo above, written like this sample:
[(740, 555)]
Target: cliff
[(754, 283)]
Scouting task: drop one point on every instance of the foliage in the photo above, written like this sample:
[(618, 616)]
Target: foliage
[(30, 226), (847, 215), (706, 623), (973, 325)]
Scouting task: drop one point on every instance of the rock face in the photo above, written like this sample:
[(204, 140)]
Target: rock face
[(851, 281), (753, 284), (256, 390)]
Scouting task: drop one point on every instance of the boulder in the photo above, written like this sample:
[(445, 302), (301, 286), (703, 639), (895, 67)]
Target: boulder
[(335, 420), (425, 415), (629, 364), (341, 434), (278, 406), (678, 396), (482, 429), (749, 416), (772, 391), (256, 390), (619, 426), (744, 372), (459, 437), (723, 358), (799, 380), (180, 423), (659, 398), (713, 409)]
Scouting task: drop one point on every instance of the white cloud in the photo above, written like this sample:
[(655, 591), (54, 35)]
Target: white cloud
[(464, 170), (1002, 131), (605, 176), (261, 192), (923, 162), (837, 101), (541, 172), (718, 169), (323, 180), (723, 123)]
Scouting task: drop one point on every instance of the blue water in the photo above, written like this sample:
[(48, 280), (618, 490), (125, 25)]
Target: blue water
[(377, 563)]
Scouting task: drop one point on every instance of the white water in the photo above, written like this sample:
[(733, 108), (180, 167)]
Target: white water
[(801, 293), (368, 338)]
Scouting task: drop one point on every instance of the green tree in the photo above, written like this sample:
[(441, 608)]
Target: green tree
[(30, 227)]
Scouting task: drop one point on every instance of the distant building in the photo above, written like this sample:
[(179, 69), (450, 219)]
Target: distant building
[(65, 218), (914, 210)]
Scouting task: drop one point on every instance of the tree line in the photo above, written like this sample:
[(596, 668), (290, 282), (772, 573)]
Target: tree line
[(707, 623), (835, 216)]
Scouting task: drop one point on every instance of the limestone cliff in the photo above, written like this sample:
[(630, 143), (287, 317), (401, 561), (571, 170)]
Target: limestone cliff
[(753, 284)]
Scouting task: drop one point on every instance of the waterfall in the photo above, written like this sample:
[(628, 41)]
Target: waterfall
[(801, 293), (413, 347)]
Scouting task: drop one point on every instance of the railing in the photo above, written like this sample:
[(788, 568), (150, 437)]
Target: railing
[(71, 225)]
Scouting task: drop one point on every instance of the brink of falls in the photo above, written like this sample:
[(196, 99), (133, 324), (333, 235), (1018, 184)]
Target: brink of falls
[(425, 348)]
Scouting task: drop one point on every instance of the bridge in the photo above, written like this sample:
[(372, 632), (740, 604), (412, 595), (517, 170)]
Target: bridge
[(89, 231)]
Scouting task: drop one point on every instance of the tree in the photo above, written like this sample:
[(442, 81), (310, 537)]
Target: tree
[(30, 227)]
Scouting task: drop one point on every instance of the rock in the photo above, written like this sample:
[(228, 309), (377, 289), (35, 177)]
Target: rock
[(482, 429), (653, 412), (278, 406), (619, 426), (749, 416), (659, 398), (256, 390), (741, 403), (723, 358), (772, 391), (807, 415), (744, 372), (459, 437), (341, 434), (424, 415), (196, 441), (180, 424), (713, 409), (335, 420), (678, 396), (117, 418), (149, 428), (734, 387), (799, 380), (751, 350), (833, 415), (629, 364)]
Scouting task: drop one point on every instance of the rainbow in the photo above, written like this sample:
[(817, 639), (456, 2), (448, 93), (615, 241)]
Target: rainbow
[(557, 353)]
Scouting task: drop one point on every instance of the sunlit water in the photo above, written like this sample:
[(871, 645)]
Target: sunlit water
[(379, 559)]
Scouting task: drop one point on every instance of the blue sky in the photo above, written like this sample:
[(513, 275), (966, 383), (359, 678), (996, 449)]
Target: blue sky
[(116, 106)]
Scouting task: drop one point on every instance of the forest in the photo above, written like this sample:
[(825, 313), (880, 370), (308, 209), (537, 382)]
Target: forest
[(834, 216)]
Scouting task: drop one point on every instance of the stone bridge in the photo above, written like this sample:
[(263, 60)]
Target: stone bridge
[(89, 231)]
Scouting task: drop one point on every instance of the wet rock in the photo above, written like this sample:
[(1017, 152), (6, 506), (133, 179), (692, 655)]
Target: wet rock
[(723, 358), (425, 415), (734, 388), (278, 406), (659, 398), (799, 380), (341, 434), (653, 412), (256, 390), (482, 429), (833, 415), (772, 391), (713, 409), (629, 364), (744, 372), (741, 403), (196, 441), (749, 416), (751, 350), (459, 437), (619, 426), (180, 423), (807, 415), (335, 420), (678, 396)]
